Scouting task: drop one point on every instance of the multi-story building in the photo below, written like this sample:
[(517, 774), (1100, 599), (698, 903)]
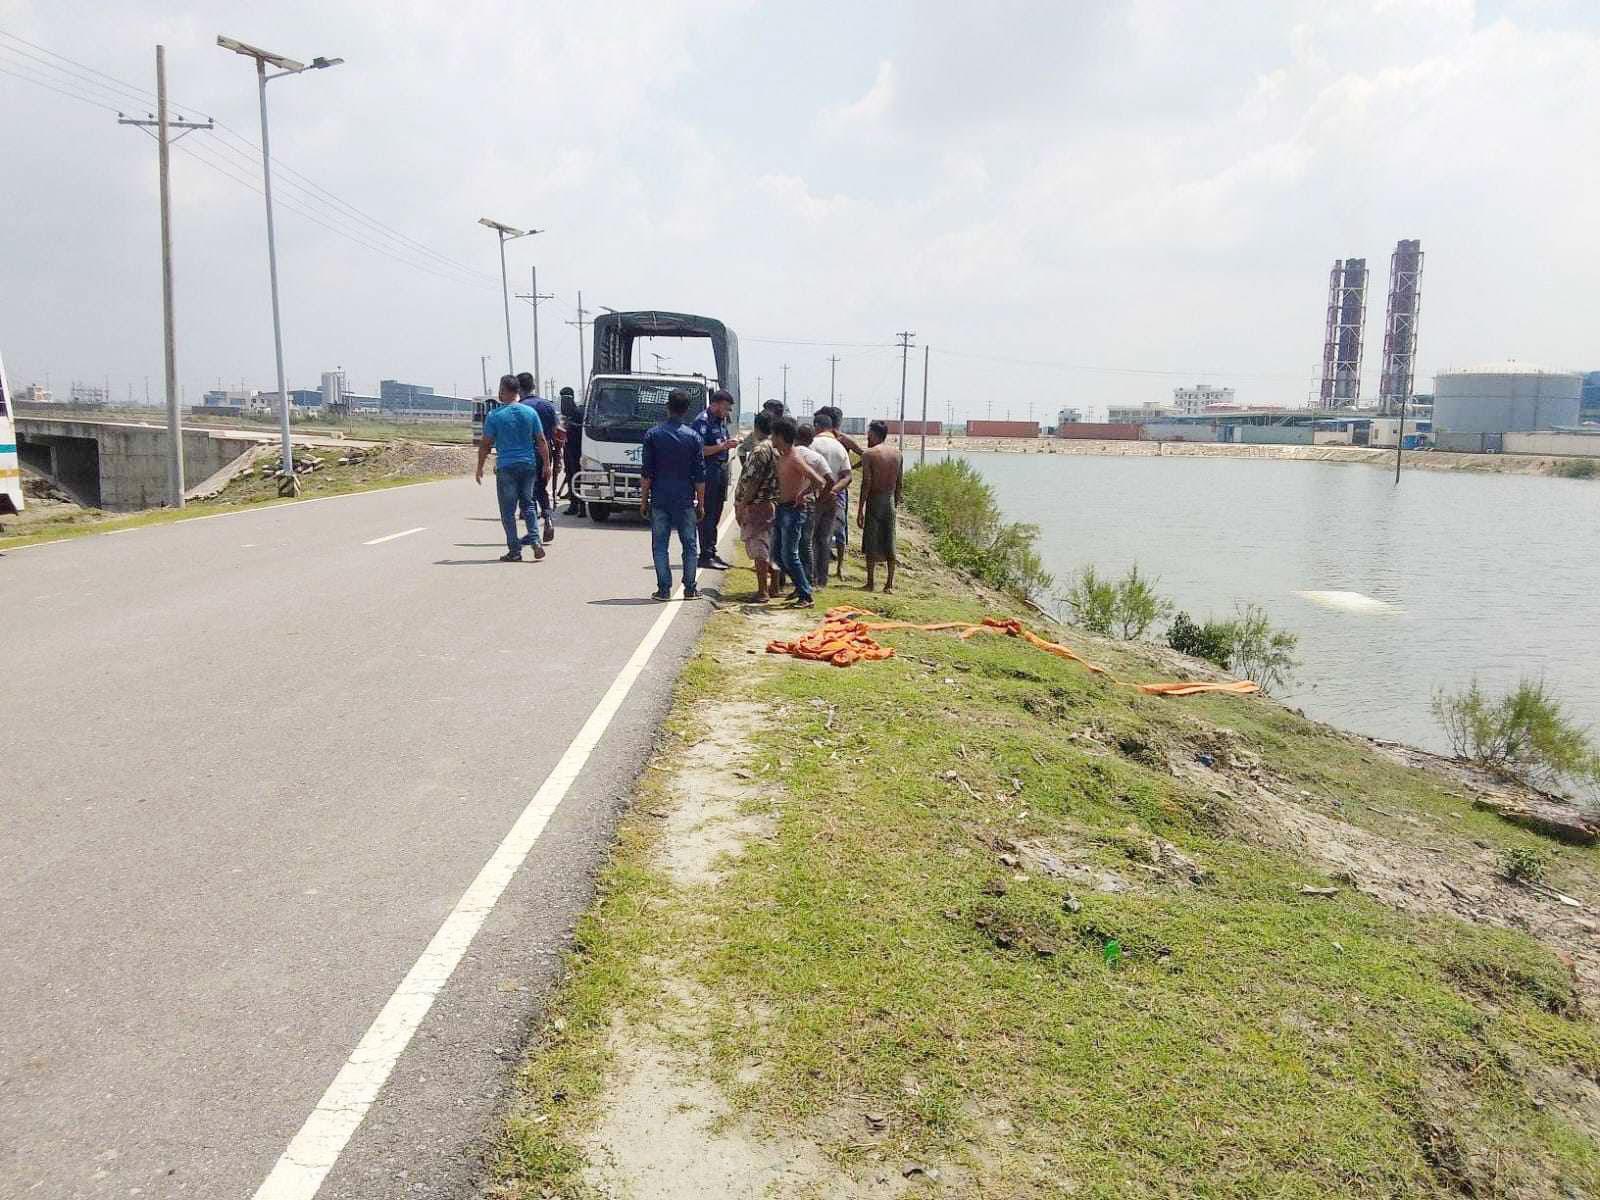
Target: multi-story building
[(1192, 401), (1591, 395), (1069, 416), (1122, 414), (38, 394)]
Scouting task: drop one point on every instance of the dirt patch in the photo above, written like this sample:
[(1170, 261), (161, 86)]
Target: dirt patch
[(709, 821)]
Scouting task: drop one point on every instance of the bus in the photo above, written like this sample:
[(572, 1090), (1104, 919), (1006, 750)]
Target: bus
[(10, 468)]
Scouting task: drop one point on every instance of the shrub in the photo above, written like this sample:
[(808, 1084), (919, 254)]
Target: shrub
[(1577, 468), (969, 531), (1137, 605), (1093, 601), (1261, 653), (1524, 864), (1212, 641), (1523, 735)]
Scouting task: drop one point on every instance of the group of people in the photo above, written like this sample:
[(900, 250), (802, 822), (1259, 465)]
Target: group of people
[(532, 446), (792, 504)]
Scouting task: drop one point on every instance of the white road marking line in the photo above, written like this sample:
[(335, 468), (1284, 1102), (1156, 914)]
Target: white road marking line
[(304, 1165), (391, 537)]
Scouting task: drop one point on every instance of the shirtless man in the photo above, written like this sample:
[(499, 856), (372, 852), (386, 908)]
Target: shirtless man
[(876, 511), (797, 479)]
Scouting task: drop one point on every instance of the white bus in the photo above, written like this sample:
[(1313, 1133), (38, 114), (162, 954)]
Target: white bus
[(10, 468)]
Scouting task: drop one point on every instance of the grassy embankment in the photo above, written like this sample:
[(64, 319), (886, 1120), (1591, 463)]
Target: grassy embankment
[(391, 465), (912, 960)]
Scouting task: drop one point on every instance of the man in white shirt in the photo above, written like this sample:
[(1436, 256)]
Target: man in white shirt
[(832, 511), (818, 502)]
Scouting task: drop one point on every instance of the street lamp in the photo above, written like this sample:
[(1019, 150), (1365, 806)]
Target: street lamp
[(507, 234), (286, 66)]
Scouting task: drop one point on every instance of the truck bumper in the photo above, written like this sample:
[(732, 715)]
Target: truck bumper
[(607, 487)]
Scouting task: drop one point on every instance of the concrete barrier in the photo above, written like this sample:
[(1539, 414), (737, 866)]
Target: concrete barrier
[(120, 467)]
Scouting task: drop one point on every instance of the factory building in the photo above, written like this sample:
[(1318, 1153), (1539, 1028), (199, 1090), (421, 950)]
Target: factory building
[(1507, 397)]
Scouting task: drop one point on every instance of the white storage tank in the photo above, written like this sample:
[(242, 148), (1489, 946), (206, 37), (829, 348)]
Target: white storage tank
[(1505, 397)]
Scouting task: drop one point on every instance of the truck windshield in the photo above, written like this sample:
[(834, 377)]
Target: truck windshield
[(624, 410)]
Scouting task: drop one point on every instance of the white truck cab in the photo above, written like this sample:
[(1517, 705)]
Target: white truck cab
[(618, 410)]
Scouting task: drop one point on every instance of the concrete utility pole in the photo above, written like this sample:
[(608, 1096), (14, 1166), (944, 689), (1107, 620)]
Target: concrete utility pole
[(164, 139), (922, 454), (483, 369), (785, 387), (905, 337), (583, 368), (533, 298), (833, 367), (286, 66)]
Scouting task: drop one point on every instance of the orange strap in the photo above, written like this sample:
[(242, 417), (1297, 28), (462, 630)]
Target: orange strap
[(843, 639)]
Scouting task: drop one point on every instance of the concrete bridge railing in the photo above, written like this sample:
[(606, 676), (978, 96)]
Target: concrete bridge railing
[(120, 467)]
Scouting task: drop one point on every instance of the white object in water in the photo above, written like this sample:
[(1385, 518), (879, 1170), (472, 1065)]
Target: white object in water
[(1356, 602)]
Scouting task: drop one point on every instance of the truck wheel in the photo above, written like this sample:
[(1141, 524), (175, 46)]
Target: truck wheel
[(599, 513)]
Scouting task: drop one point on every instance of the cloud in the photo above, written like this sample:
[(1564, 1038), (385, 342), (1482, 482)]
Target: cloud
[(868, 111)]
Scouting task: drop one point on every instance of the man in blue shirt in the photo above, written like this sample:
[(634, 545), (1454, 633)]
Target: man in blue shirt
[(672, 492), (513, 431), (712, 428), (547, 422)]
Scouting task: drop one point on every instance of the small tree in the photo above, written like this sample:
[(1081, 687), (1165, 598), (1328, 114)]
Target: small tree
[(1137, 605), (1212, 641), (1093, 601), (1524, 735), (1261, 653)]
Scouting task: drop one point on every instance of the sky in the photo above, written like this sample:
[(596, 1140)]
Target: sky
[(1082, 204)]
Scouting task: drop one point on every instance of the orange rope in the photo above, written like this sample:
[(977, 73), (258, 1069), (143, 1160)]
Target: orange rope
[(844, 639)]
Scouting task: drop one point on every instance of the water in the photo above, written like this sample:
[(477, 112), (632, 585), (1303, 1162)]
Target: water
[(1446, 577)]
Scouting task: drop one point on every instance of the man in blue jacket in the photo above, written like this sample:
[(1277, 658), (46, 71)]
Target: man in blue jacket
[(513, 432), (672, 493)]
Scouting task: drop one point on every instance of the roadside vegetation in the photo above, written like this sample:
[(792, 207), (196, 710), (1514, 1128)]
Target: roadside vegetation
[(970, 534), (1008, 929), (1576, 468), (1522, 735)]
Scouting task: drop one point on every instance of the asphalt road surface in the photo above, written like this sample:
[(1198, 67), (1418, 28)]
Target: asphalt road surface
[(249, 767)]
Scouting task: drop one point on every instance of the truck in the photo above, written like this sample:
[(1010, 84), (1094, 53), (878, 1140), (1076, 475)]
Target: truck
[(10, 467), (620, 405)]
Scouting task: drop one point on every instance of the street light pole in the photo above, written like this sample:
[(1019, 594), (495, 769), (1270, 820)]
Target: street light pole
[(286, 66), (507, 233)]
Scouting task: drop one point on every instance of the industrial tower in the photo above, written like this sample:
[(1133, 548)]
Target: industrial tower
[(1400, 327), (1341, 351)]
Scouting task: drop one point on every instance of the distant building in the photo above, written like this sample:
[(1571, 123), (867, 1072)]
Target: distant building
[(1505, 397), (227, 399), (1070, 416), (306, 398), (1591, 396), (1143, 413), (412, 400), (1192, 401), (38, 394)]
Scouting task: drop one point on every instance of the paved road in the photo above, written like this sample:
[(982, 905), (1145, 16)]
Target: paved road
[(248, 765)]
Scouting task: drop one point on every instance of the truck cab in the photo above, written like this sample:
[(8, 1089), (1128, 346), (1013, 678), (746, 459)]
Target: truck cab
[(10, 468), (621, 405), (618, 410)]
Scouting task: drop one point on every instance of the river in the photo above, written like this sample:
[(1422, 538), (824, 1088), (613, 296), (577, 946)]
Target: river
[(1446, 577)]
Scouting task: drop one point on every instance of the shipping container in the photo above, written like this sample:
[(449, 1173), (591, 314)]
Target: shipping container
[(1101, 431), (1013, 429), (931, 427)]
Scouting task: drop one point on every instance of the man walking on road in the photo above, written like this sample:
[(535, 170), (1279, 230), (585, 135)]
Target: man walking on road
[(672, 493), (512, 430), (572, 452), (876, 511), (547, 466), (712, 428), (797, 481)]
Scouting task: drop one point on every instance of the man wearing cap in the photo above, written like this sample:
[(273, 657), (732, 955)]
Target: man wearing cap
[(711, 426)]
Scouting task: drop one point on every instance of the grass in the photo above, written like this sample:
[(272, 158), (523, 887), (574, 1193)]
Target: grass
[(390, 467), (1249, 1041)]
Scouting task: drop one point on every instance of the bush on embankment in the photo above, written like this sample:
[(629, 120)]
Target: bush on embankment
[(969, 531)]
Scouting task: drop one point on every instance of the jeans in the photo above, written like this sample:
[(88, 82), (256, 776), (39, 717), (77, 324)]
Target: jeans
[(513, 487), (662, 523), (791, 535), (716, 493)]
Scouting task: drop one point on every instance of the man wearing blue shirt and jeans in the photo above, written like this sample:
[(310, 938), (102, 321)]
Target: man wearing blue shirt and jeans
[(513, 432), (672, 492)]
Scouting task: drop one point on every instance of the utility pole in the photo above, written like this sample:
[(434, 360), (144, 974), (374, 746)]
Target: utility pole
[(164, 139), (533, 298), (785, 387), (1400, 439), (758, 391), (507, 233), (922, 455), (905, 337), (583, 369), (833, 367), (483, 369)]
